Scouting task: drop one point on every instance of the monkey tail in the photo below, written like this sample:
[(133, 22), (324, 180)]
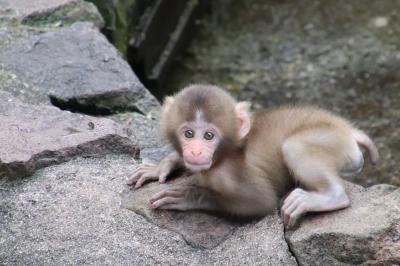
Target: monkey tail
[(365, 141)]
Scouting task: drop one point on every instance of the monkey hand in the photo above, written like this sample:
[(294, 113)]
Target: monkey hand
[(172, 198), (183, 196), (148, 172), (143, 173)]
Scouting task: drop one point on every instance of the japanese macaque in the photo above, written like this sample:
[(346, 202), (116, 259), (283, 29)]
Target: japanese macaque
[(245, 162)]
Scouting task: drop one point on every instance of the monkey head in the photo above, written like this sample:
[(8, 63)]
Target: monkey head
[(203, 122)]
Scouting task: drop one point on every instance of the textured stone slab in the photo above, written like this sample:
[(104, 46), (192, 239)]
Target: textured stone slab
[(32, 137), (230, 242), (45, 12), (78, 68), (366, 233), (69, 214)]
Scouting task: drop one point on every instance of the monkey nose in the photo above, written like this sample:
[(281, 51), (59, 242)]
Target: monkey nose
[(196, 153)]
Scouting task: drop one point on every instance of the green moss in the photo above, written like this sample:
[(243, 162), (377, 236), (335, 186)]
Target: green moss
[(5, 78), (66, 15), (119, 16), (107, 104)]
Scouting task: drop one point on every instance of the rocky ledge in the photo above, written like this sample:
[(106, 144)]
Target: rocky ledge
[(32, 137), (63, 198)]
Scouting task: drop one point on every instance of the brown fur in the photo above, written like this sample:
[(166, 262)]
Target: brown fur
[(217, 105), (288, 145), (257, 175)]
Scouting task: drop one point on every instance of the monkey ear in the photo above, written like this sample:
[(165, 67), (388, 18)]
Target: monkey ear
[(243, 115), (168, 101)]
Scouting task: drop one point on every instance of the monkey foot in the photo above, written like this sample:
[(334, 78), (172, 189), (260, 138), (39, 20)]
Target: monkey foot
[(300, 201)]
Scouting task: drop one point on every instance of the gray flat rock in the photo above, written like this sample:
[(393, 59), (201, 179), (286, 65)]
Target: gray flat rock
[(366, 233), (44, 12), (77, 68), (69, 214), (32, 137)]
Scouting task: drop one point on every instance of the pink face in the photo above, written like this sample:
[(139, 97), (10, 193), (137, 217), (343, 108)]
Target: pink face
[(198, 140)]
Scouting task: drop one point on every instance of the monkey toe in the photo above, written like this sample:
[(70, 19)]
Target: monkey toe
[(296, 195), (289, 221), (292, 207), (295, 215), (292, 211)]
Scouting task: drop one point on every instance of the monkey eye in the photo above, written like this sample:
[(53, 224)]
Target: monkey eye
[(208, 136), (189, 134)]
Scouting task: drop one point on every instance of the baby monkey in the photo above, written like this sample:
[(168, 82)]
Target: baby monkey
[(244, 162)]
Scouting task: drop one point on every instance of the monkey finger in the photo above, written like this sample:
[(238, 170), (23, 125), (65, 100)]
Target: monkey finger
[(133, 179), (165, 193), (144, 178), (148, 164), (143, 172), (141, 168), (162, 177), (137, 174), (167, 200), (164, 171)]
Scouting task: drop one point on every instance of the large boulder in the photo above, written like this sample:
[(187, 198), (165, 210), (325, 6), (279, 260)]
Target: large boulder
[(74, 68), (49, 12), (32, 137), (366, 233)]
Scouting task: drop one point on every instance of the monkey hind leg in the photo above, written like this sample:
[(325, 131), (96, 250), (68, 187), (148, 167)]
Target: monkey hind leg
[(314, 157), (353, 165)]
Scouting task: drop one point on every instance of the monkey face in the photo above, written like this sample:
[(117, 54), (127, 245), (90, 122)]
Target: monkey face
[(203, 123), (198, 140)]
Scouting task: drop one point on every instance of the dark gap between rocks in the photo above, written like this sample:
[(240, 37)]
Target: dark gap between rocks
[(153, 35), (74, 106), (289, 246)]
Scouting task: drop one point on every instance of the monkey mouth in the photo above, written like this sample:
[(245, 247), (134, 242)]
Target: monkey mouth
[(196, 167)]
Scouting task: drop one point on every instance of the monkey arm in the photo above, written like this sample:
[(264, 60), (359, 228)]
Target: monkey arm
[(148, 172)]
